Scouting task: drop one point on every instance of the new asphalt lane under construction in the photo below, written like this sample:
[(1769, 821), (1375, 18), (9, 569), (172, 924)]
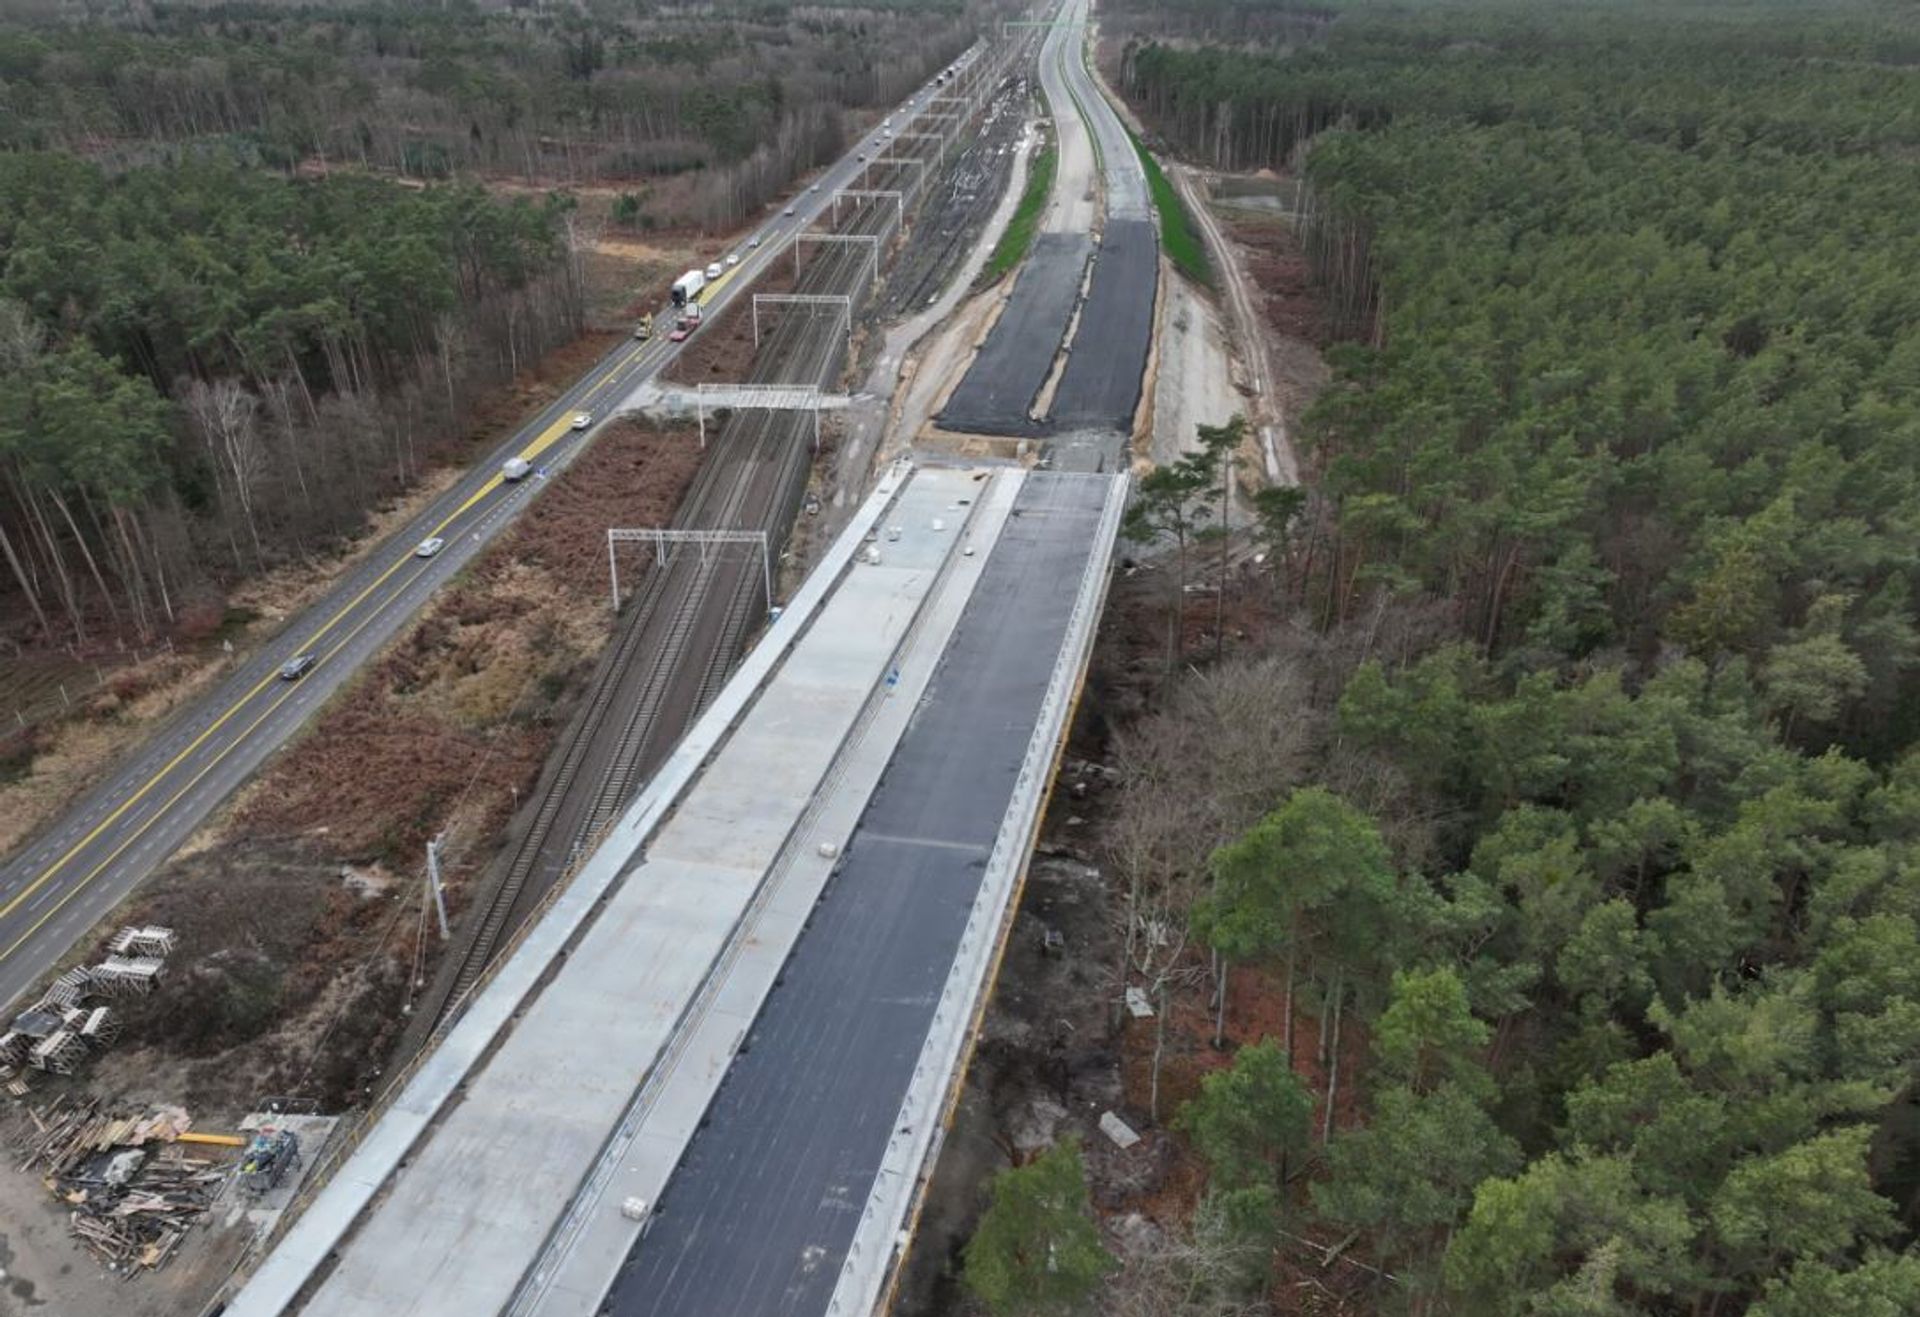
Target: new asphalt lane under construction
[(1100, 387), (760, 1214), (999, 389)]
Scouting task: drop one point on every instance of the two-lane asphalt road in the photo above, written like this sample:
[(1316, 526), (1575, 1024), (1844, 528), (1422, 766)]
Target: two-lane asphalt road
[(1067, 81), (73, 872)]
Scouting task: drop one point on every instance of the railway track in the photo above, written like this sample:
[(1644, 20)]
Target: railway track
[(677, 640), (978, 171)]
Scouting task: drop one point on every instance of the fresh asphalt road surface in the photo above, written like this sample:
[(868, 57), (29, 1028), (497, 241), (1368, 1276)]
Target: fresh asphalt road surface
[(1069, 83), (759, 1214), (1100, 387), (74, 872), (997, 393)]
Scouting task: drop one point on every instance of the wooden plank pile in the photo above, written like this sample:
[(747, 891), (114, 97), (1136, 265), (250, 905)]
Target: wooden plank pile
[(133, 1191)]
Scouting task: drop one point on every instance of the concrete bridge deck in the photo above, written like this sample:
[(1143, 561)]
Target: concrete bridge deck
[(821, 872)]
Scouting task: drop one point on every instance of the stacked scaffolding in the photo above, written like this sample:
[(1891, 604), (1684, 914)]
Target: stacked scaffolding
[(150, 941), (59, 1032), (70, 989), (122, 976)]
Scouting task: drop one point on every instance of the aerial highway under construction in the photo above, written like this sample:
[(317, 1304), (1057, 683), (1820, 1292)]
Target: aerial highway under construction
[(712, 1077), (78, 867)]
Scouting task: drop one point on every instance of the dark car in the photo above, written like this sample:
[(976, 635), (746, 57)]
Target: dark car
[(296, 667)]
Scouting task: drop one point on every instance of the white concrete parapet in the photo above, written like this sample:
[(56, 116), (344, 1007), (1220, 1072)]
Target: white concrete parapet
[(583, 1256), (389, 1133), (880, 1241)]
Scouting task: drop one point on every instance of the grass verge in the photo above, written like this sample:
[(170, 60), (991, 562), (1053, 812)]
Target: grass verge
[(1177, 233), (1013, 244)]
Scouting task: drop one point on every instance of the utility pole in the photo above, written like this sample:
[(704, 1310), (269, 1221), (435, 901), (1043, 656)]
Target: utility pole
[(433, 883)]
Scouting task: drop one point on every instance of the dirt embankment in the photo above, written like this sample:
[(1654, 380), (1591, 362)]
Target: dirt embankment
[(300, 912), (1059, 1048), (1278, 266)]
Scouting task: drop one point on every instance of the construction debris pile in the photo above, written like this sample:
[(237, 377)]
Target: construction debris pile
[(60, 1031), (134, 1191)]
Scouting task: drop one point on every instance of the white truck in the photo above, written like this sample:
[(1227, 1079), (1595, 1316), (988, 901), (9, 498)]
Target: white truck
[(688, 286)]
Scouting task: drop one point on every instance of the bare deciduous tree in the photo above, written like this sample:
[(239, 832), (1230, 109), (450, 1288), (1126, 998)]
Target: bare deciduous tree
[(1200, 1268), (224, 412)]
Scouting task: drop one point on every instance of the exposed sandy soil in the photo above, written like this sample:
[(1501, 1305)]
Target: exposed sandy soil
[(1075, 203), (43, 1273), (1264, 289), (1273, 260), (937, 368), (1193, 384)]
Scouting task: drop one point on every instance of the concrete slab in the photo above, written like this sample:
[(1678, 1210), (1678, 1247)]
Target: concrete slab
[(374, 1149), (586, 1256), (264, 1212), (462, 1224), (759, 1217)]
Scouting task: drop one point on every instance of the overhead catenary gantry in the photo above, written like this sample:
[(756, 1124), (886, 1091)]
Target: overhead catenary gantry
[(709, 542), (940, 138), (767, 397), (871, 240), (840, 300), (935, 119), (869, 194), (919, 184)]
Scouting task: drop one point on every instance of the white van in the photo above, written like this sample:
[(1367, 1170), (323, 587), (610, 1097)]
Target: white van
[(515, 468), (713, 272)]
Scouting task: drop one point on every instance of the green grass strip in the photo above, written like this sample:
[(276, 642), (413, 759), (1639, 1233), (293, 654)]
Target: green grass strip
[(1012, 248), (1177, 233), (1099, 156)]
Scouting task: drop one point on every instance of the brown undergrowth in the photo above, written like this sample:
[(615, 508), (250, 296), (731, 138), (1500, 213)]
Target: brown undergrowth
[(300, 912), (45, 767)]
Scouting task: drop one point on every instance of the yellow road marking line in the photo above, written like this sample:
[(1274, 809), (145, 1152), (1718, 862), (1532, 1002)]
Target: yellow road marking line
[(292, 689), (539, 445), (559, 429)]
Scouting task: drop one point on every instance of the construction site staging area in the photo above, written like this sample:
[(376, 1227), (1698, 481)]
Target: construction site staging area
[(690, 1048)]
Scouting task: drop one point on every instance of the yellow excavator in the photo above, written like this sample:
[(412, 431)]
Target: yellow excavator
[(644, 330)]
